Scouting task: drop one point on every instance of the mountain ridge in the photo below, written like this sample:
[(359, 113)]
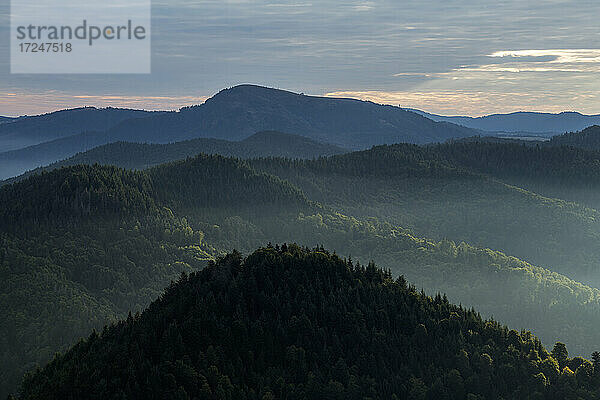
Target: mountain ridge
[(236, 113), (140, 156), (32, 130), (544, 124)]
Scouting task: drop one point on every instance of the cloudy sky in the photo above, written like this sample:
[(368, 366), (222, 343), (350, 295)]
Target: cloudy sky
[(443, 56)]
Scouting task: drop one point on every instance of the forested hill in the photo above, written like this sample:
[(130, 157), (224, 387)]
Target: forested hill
[(588, 138), (289, 323), (140, 156), (278, 144), (556, 171), (82, 245), (214, 181), (83, 190), (31, 130), (565, 172), (70, 193)]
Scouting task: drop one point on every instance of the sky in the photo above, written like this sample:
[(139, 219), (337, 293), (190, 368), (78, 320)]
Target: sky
[(451, 57)]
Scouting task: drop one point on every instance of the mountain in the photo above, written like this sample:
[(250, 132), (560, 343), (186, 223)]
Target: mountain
[(232, 114), (140, 156), (298, 324), (83, 245), (522, 122), (238, 112), (588, 138), (28, 131), (345, 122)]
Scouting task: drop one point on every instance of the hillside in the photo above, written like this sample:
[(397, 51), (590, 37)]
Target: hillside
[(547, 124), (419, 189), (292, 323), (564, 172), (277, 144), (84, 245), (28, 131), (588, 138), (140, 156), (141, 229)]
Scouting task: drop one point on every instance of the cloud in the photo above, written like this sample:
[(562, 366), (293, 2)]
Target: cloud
[(559, 60), (520, 61), (364, 6), (560, 56), (410, 47), (476, 103), (13, 104), (550, 80)]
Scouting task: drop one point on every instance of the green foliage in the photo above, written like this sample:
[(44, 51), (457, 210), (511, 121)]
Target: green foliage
[(291, 323), (59, 284), (71, 193), (111, 239), (218, 182)]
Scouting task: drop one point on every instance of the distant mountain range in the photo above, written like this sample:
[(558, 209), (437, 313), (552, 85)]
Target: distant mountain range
[(344, 122), (232, 114), (27, 131), (237, 113), (142, 155), (587, 139), (522, 122)]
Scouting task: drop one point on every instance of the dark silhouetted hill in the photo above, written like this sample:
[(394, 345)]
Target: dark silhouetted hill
[(289, 323), (140, 156), (238, 112), (28, 131), (520, 122), (232, 114), (588, 138)]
